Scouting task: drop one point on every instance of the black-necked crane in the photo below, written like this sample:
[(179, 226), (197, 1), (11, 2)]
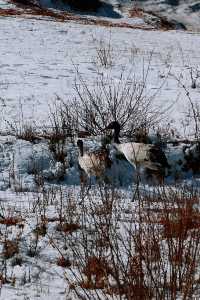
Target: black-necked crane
[(148, 156), (93, 163)]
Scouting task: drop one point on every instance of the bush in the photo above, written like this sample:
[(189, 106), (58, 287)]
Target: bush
[(149, 252), (108, 100)]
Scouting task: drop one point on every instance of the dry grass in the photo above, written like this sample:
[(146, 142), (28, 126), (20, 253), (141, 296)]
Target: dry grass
[(155, 256), (96, 271), (163, 24), (10, 248), (136, 12), (64, 17), (63, 262), (12, 221), (68, 227), (149, 251)]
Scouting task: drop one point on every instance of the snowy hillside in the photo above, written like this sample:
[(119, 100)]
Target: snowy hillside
[(35, 69), (186, 12)]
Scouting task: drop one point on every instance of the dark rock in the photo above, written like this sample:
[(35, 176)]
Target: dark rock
[(84, 5), (173, 2), (195, 7)]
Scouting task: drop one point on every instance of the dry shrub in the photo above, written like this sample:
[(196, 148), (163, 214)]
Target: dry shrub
[(28, 133), (40, 230), (96, 271), (62, 131), (136, 292), (179, 222), (104, 53), (63, 262), (57, 135), (12, 221), (153, 253), (136, 12), (108, 100), (9, 12), (68, 227), (10, 248), (51, 220), (24, 131), (3, 280)]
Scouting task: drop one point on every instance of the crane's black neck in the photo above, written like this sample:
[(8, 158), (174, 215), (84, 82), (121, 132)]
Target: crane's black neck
[(116, 127), (116, 135), (80, 146)]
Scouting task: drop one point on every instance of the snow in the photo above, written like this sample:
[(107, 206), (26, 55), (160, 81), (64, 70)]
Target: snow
[(182, 12), (35, 68), (38, 67)]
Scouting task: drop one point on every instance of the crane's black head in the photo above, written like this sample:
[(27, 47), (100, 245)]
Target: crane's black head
[(80, 146), (116, 126)]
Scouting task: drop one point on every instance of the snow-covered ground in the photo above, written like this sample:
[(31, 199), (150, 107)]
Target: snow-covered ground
[(39, 62), (39, 59)]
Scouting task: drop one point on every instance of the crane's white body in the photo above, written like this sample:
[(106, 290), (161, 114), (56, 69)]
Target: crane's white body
[(138, 154), (92, 163)]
